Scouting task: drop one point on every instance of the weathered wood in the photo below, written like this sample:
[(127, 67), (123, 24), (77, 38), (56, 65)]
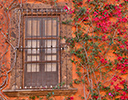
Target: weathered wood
[(39, 92)]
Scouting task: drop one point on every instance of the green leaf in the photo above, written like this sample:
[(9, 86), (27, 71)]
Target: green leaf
[(37, 96)]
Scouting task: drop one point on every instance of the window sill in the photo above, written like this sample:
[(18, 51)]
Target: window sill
[(39, 92)]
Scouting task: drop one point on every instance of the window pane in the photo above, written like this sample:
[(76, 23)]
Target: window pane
[(32, 67), (49, 67), (50, 27), (28, 51), (50, 50), (33, 51), (38, 68), (28, 28), (34, 43), (33, 27), (53, 66), (28, 67), (36, 27), (49, 44), (54, 27), (34, 58), (35, 67), (47, 27), (50, 57)]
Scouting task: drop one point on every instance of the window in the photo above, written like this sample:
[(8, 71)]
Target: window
[(41, 62), (41, 51)]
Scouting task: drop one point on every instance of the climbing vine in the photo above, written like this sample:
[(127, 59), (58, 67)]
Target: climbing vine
[(99, 47), (5, 42)]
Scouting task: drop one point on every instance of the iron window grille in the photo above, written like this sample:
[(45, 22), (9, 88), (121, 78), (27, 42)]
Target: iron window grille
[(41, 51)]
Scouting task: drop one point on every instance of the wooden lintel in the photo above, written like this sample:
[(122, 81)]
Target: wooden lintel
[(39, 92)]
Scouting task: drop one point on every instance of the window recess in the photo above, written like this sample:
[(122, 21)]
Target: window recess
[(43, 62)]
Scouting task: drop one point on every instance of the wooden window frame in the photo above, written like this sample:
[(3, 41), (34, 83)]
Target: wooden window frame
[(45, 38)]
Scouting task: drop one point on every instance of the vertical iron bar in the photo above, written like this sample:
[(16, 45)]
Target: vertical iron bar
[(60, 47), (51, 39), (36, 46), (21, 47), (46, 43), (41, 42), (31, 42), (57, 49)]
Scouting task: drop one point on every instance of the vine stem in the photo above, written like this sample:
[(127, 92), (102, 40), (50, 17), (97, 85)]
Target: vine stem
[(5, 82), (84, 88)]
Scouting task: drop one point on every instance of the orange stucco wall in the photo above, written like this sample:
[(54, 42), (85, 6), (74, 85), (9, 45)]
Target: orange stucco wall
[(79, 87)]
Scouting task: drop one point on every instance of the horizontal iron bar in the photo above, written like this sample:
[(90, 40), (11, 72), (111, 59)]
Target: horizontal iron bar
[(50, 54), (40, 48), (56, 61), (40, 38)]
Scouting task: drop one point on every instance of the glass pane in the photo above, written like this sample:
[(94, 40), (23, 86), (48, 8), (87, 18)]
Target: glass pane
[(28, 51), (54, 27), (33, 27), (34, 58), (48, 67), (53, 50), (53, 66), (33, 51), (50, 27), (28, 67), (35, 67), (28, 27), (32, 67), (35, 43), (47, 27), (50, 57), (36, 27), (49, 50), (49, 44)]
